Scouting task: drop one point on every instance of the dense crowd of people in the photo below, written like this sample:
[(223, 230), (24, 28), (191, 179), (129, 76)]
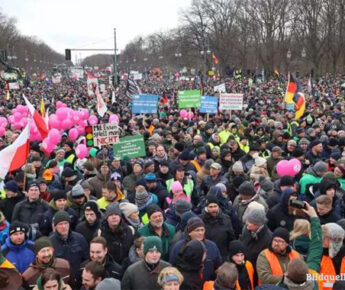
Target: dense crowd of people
[(206, 208)]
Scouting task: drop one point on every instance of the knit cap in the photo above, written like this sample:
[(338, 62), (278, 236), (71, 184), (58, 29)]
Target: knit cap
[(236, 247), (92, 205), (255, 216), (194, 223), (260, 161), (61, 216), (266, 184), (109, 284), (16, 227), (176, 187), (41, 243), (182, 206), (286, 180), (281, 233), (211, 198), (128, 208), (141, 196), (152, 208), (247, 188), (152, 243), (59, 194), (112, 209), (11, 186), (77, 191), (320, 167)]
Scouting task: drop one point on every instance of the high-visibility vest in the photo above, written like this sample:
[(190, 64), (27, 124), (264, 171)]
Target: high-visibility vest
[(196, 165), (328, 271), (276, 269), (208, 285), (187, 187)]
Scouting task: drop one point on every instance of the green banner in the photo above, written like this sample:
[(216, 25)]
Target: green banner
[(189, 99), (131, 147)]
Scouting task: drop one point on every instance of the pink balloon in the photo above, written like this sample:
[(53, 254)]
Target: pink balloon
[(2, 131), (114, 119), (183, 113), (93, 120), (22, 109), (283, 168), (295, 167), (17, 116), (81, 151), (73, 134), (13, 111), (3, 122), (16, 126), (62, 114), (81, 130), (59, 104), (10, 119), (190, 115), (24, 122), (85, 114), (54, 136), (64, 105), (67, 124)]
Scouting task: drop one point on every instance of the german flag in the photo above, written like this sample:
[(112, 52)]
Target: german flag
[(291, 89), (215, 59), (299, 100)]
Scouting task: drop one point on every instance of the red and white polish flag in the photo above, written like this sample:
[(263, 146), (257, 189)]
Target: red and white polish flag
[(38, 119)]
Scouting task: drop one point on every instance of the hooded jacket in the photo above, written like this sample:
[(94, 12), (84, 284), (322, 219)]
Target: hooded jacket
[(279, 216), (97, 182), (308, 179), (19, 255), (189, 261)]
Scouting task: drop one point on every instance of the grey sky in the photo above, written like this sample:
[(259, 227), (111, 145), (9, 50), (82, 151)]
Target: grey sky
[(89, 23)]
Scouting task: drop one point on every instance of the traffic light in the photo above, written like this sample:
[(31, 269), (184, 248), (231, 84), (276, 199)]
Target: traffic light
[(67, 54), (89, 136), (113, 80)]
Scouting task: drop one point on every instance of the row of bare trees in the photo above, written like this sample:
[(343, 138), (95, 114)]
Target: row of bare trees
[(25, 51), (295, 35)]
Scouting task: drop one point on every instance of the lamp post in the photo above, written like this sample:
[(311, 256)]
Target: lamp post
[(205, 53), (178, 56), (303, 54)]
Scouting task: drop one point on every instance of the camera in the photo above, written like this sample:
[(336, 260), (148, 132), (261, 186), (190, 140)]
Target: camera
[(297, 204)]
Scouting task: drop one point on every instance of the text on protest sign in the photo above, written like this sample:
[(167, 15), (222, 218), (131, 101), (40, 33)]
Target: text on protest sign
[(189, 99), (231, 102), (144, 104), (220, 88), (209, 105), (105, 134), (131, 147)]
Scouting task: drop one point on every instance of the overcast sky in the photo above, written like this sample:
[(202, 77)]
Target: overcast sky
[(89, 23)]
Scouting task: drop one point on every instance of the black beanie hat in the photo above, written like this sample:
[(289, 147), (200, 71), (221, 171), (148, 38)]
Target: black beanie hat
[(211, 198), (41, 243), (61, 216), (152, 208), (281, 233), (236, 247), (92, 205), (286, 181), (59, 194), (247, 188), (16, 227), (194, 223)]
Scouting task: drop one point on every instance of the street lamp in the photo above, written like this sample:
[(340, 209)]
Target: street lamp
[(304, 54)]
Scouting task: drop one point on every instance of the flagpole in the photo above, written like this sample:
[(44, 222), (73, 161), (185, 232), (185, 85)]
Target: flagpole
[(284, 105)]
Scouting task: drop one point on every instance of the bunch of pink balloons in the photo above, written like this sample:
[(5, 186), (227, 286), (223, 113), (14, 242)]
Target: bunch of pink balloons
[(289, 167), (18, 119), (185, 114), (114, 119)]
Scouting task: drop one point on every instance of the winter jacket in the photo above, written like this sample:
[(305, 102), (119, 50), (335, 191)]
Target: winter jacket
[(213, 257), (19, 255), (247, 162), (7, 205), (112, 269), (207, 182), (46, 223), (161, 193), (189, 263), (61, 266), (87, 230), (4, 231), (74, 249), (77, 207), (271, 167), (219, 230), (129, 183), (171, 217), (30, 212), (279, 216), (119, 241), (139, 276), (308, 179), (97, 182), (167, 235), (63, 286), (241, 206)]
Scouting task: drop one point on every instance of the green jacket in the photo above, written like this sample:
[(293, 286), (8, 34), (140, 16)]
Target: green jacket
[(167, 235), (308, 179), (315, 246)]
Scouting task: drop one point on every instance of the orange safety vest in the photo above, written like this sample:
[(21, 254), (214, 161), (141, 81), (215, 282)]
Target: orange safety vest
[(329, 272), (196, 165), (273, 261), (208, 285)]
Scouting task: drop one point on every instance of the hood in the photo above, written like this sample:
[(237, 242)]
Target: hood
[(284, 199), (307, 285), (190, 258), (327, 183), (311, 171)]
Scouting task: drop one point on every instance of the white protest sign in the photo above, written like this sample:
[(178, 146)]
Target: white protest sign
[(77, 71), (105, 134), (231, 102), (91, 86), (220, 88), (14, 86)]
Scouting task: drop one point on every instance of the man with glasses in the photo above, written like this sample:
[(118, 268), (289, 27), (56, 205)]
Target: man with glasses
[(272, 262)]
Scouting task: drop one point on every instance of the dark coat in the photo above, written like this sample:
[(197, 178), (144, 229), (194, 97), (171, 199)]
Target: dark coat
[(161, 193), (7, 205), (207, 182), (219, 230), (138, 276), (29, 212), (88, 231), (119, 241), (75, 249)]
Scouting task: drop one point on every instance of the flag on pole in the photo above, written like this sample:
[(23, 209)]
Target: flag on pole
[(132, 88), (215, 59), (38, 119), (42, 108), (299, 100), (291, 89), (101, 105), (15, 155)]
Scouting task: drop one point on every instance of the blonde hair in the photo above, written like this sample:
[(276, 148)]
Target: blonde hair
[(169, 271), (301, 227)]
